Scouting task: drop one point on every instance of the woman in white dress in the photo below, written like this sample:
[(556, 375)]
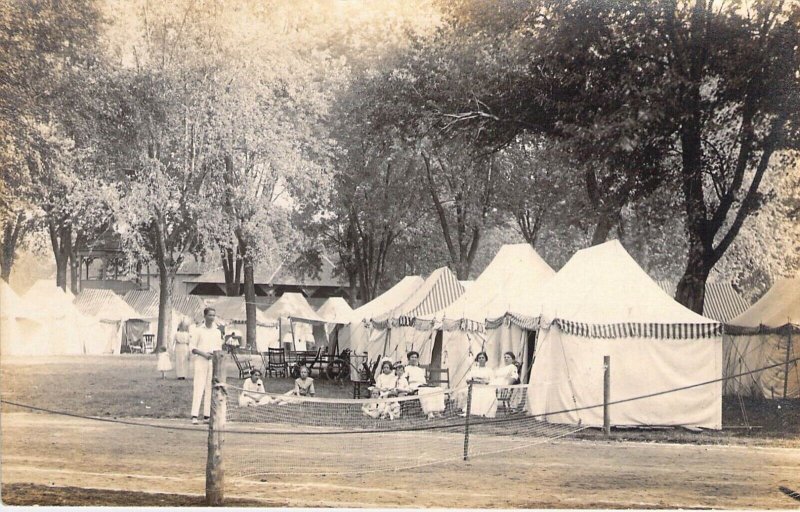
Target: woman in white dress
[(431, 399), (484, 399), (507, 375), (181, 344)]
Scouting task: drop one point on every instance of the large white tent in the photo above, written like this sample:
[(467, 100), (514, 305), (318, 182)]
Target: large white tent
[(296, 318), (145, 302), (511, 278), (356, 335), (111, 313), (405, 327), (232, 312), (64, 327), (601, 303), (337, 313), (19, 323), (767, 334)]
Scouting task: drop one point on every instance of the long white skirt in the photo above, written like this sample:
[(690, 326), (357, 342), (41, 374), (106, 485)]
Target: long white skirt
[(484, 401), (182, 360), (431, 400)]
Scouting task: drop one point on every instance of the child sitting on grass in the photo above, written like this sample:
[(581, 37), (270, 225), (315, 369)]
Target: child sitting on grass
[(164, 363), (253, 393), (303, 386), (373, 410)]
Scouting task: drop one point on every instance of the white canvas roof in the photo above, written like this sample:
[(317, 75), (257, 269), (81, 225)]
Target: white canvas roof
[(50, 300), (104, 305), (12, 305), (511, 277), (295, 306), (438, 291), (388, 300), (779, 307), (336, 310), (604, 285), (234, 310)]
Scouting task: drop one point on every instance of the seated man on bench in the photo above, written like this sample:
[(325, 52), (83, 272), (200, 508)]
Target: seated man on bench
[(431, 399)]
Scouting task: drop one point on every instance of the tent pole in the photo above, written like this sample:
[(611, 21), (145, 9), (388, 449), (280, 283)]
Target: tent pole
[(291, 326), (786, 366)]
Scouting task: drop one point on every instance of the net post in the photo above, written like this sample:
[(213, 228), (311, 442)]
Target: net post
[(215, 474), (466, 421), (606, 395), (786, 366)]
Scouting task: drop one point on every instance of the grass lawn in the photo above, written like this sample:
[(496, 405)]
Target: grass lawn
[(129, 386)]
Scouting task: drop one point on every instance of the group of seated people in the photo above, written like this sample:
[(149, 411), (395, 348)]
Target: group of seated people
[(397, 380)]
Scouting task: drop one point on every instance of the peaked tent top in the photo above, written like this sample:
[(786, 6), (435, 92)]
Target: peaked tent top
[(510, 278), (14, 306), (603, 293), (388, 300), (335, 310), (104, 305), (45, 288), (294, 306), (437, 292), (49, 297), (778, 309), (233, 310), (145, 302)]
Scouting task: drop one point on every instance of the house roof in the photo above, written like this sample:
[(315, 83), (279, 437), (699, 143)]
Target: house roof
[(282, 275), (104, 305)]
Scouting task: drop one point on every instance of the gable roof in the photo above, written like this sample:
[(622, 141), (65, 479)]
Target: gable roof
[(777, 310), (602, 292), (388, 300), (335, 310), (104, 305), (722, 301), (293, 306), (282, 275), (512, 276), (145, 302)]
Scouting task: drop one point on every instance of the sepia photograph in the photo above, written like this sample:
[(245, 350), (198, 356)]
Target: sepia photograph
[(400, 254)]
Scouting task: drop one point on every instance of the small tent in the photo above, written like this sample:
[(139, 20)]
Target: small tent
[(406, 327), (19, 324), (64, 327), (232, 312), (767, 334), (601, 303), (356, 335), (337, 313), (111, 313), (145, 302), (513, 275), (297, 319)]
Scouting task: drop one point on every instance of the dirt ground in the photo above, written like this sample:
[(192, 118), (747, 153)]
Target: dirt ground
[(57, 452), (52, 460)]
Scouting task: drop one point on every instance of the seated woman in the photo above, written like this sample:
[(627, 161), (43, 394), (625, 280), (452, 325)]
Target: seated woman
[(484, 398), (253, 391), (401, 388), (303, 386), (507, 375), (431, 399)]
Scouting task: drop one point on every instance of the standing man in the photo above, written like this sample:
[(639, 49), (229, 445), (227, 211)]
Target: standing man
[(206, 339)]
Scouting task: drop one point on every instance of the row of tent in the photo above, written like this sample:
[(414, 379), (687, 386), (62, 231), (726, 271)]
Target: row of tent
[(561, 325), (49, 321)]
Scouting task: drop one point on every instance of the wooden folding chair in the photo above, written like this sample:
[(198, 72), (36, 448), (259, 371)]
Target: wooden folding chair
[(245, 367), (274, 360)]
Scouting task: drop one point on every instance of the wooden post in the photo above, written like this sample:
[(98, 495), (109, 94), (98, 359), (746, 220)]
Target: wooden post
[(215, 474), (606, 395), (786, 367), (466, 421)]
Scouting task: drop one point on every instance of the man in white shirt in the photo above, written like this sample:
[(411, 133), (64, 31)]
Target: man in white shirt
[(205, 340)]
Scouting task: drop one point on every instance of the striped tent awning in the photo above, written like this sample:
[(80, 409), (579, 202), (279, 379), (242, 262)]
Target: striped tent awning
[(146, 303), (438, 291), (104, 305), (722, 302)]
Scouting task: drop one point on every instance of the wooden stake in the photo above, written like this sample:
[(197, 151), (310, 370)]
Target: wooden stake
[(606, 395), (786, 367), (466, 422), (215, 474)]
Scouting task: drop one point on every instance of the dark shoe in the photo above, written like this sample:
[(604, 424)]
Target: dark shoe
[(206, 419)]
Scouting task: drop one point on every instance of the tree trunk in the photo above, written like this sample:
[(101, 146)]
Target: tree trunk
[(603, 228), (166, 280), (232, 268), (249, 297), (691, 290), (61, 242), (74, 272)]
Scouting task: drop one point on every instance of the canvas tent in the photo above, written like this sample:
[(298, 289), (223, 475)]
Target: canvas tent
[(145, 302), (356, 335), (337, 313), (601, 303), (18, 324), (722, 302), (111, 313), (767, 334), (63, 327), (406, 327), (513, 275), (232, 312), (296, 320)]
